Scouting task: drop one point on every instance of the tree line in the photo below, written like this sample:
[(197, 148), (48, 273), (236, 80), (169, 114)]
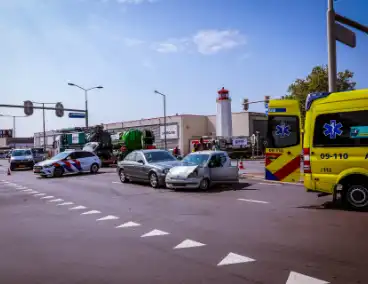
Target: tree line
[(317, 81)]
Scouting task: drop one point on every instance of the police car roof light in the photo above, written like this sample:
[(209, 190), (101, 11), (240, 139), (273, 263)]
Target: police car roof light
[(314, 96)]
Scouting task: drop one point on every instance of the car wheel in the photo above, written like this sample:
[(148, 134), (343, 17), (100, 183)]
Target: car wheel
[(58, 172), (122, 176), (12, 167), (94, 169), (153, 179), (204, 184), (357, 197)]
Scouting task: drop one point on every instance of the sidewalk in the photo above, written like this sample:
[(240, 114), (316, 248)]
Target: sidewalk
[(260, 176)]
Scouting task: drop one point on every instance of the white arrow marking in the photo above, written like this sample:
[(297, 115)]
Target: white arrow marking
[(91, 212), (154, 233), (48, 197), (297, 278), (40, 194), (253, 200), (78, 207), (128, 225), (189, 244), (65, 203), (108, 217), (56, 200), (233, 258)]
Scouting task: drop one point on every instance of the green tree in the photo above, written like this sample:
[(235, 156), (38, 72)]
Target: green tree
[(317, 81)]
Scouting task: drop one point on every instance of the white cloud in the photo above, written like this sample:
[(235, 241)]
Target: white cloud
[(205, 42), (133, 42), (166, 47), (135, 1), (214, 41)]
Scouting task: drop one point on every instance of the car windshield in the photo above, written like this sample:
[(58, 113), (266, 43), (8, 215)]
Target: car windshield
[(18, 153), (60, 156), (158, 156), (91, 146), (196, 159)]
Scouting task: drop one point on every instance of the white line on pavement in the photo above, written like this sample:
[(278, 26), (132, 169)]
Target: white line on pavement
[(234, 258), (56, 200), (48, 197), (253, 200), (155, 232), (128, 225), (80, 207), (108, 217), (189, 244), (65, 203), (116, 182), (91, 212), (40, 194)]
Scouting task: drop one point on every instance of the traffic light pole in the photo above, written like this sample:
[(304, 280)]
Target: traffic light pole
[(335, 32)]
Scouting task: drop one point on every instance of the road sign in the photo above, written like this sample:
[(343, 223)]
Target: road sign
[(59, 110), (6, 133), (28, 108), (77, 115), (266, 105), (266, 112), (345, 36)]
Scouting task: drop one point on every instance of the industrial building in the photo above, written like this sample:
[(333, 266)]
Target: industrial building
[(185, 129), (180, 129)]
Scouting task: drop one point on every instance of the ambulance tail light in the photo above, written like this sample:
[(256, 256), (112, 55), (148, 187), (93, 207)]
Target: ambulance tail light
[(306, 161)]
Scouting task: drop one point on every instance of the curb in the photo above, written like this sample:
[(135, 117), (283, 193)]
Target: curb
[(258, 177)]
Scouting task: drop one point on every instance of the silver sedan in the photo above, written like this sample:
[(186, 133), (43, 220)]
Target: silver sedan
[(202, 169)]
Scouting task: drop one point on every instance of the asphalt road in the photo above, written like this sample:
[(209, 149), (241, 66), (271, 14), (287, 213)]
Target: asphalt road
[(260, 233)]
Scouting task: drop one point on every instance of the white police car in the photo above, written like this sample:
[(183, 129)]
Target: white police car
[(68, 162)]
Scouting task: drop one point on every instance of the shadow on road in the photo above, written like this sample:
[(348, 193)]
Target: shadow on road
[(219, 188), (331, 206)]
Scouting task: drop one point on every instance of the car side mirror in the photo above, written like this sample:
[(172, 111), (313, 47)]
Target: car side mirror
[(140, 162)]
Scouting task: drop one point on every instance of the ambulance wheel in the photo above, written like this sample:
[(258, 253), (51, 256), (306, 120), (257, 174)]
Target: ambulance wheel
[(58, 172), (356, 197), (94, 169)]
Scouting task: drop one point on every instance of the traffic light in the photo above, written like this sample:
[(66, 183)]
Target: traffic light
[(267, 99), (245, 104)]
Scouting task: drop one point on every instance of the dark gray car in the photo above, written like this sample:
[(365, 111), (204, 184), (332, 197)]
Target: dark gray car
[(149, 166)]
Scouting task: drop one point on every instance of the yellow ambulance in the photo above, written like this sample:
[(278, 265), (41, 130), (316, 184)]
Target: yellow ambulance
[(335, 144)]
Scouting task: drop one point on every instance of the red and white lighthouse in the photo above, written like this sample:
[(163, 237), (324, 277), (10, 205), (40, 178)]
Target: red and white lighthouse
[(224, 124)]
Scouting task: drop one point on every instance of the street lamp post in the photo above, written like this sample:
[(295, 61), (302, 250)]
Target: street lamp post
[(85, 96), (164, 100), (44, 121), (13, 116)]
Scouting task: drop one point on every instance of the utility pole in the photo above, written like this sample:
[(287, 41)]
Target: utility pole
[(85, 97), (335, 31), (164, 101), (44, 121), (14, 117)]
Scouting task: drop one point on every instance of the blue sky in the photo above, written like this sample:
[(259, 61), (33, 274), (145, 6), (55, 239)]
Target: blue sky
[(187, 49)]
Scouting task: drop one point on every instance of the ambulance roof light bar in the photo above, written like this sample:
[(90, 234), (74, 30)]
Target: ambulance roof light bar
[(314, 96)]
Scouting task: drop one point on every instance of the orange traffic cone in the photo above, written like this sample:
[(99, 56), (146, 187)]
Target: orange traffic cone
[(241, 167), (9, 172)]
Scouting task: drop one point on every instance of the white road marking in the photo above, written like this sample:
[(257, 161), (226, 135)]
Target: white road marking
[(78, 207), (297, 278), (266, 183), (56, 200), (155, 232), (27, 190), (189, 244), (65, 203), (91, 212), (128, 225), (40, 194), (108, 217), (48, 197), (32, 192), (20, 187), (116, 182), (253, 200), (233, 258)]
